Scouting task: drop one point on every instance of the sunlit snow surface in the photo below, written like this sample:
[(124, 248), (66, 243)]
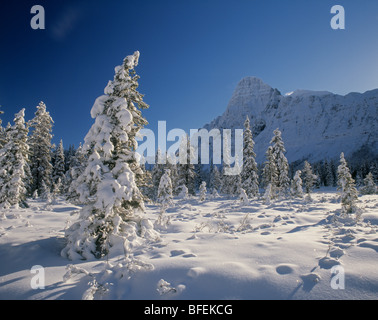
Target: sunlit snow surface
[(215, 249)]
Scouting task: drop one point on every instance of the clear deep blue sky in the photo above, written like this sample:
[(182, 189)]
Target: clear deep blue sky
[(193, 53)]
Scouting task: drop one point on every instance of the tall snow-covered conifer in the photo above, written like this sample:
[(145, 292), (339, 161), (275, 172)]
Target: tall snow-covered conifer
[(215, 179), (157, 172), (164, 196), (369, 186), (270, 174), (77, 166), (172, 166), (236, 178), (309, 177), (282, 165), (108, 184), (249, 173), (58, 172), (228, 181), (346, 185), (329, 177), (14, 167), (203, 191), (296, 185), (125, 85), (186, 174), (40, 149), (2, 132)]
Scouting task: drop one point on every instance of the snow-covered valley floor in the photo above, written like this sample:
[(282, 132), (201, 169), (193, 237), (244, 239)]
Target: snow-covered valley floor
[(216, 249)]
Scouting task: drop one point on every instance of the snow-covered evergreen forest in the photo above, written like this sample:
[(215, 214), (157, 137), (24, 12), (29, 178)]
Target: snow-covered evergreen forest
[(105, 226)]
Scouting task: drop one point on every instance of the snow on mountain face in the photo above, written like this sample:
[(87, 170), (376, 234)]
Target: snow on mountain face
[(315, 125)]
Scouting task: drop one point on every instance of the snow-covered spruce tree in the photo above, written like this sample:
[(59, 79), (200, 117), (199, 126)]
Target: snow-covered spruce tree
[(157, 172), (69, 156), (186, 174), (4, 167), (184, 193), (359, 179), (58, 172), (228, 180), (296, 185), (317, 171), (45, 192), (14, 167), (40, 148), (145, 184), (243, 197), (309, 177), (107, 185), (374, 171), (329, 175), (333, 170), (369, 186), (172, 166), (2, 132), (57, 190), (77, 166), (164, 196), (270, 174), (249, 174), (268, 194), (346, 185), (281, 163), (198, 174), (125, 85), (236, 178), (215, 179), (202, 191)]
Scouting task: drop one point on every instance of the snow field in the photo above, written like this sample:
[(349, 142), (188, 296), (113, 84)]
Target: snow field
[(214, 249)]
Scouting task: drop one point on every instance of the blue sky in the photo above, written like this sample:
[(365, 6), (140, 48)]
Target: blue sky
[(193, 53)]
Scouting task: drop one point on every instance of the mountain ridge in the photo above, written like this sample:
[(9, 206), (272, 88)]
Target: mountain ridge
[(315, 125)]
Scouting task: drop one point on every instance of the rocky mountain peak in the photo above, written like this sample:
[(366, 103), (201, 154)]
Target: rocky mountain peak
[(315, 125)]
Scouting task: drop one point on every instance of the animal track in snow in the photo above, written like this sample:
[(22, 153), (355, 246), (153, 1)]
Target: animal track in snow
[(175, 253), (284, 269)]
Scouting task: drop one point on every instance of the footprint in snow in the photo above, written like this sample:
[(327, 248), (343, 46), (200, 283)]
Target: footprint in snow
[(175, 253), (159, 256), (369, 244), (196, 271), (284, 269), (328, 263), (193, 237), (336, 253), (309, 281)]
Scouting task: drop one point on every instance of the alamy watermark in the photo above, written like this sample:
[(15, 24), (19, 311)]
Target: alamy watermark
[(338, 20), (38, 20), (338, 278), (37, 281), (200, 141)]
